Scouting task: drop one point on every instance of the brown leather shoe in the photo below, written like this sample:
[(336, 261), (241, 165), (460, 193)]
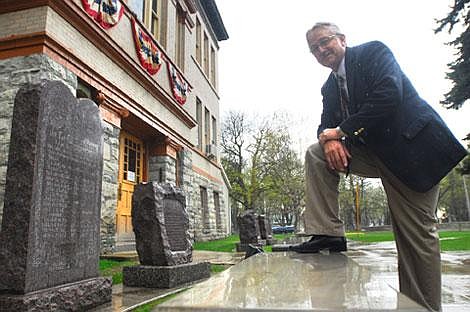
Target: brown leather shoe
[(321, 242)]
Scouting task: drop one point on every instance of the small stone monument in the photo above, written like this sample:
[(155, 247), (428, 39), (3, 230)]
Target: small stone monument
[(161, 227), (49, 244), (248, 227), (265, 230)]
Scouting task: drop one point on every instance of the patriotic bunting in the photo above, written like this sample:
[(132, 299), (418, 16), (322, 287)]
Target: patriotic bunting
[(149, 55), (106, 12), (178, 84)]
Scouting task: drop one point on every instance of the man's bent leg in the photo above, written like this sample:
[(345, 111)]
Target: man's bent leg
[(417, 240), (321, 206)]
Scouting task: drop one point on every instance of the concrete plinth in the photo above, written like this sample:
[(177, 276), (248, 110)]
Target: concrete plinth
[(79, 296), (164, 276), (286, 281)]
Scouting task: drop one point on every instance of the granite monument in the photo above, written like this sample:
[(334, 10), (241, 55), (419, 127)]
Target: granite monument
[(161, 224), (49, 243)]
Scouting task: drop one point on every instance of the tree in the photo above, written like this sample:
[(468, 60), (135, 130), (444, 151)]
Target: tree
[(235, 130), (460, 68), (452, 197), (265, 173)]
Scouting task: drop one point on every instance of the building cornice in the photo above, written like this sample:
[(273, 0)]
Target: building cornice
[(77, 17)]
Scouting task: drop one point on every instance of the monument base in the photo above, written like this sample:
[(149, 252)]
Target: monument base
[(165, 276), (280, 247), (78, 296), (243, 247)]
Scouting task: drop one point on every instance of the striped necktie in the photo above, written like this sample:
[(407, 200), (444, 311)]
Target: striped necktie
[(343, 97)]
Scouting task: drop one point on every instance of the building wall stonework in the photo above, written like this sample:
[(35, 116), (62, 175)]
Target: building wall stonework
[(162, 169), (109, 194), (14, 73)]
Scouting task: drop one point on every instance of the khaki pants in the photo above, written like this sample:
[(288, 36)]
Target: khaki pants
[(412, 214)]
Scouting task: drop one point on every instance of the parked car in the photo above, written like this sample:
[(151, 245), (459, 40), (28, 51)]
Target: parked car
[(280, 229)]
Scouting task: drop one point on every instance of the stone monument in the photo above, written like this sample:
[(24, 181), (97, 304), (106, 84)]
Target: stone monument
[(265, 230), (49, 244), (161, 227), (248, 227)]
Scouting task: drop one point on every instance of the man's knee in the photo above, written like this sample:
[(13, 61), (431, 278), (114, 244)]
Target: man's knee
[(314, 151)]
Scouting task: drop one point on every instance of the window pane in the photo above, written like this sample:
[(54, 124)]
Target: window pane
[(137, 6)]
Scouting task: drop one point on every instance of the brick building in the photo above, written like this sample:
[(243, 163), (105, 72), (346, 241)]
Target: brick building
[(151, 66)]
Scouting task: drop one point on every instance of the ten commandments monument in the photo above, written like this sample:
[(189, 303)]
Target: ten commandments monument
[(49, 241)]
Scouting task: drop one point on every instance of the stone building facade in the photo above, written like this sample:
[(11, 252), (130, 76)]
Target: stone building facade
[(152, 133)]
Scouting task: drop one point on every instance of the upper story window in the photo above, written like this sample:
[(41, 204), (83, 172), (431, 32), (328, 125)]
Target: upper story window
[(198, 42), (137, 6), (213, 71), (199, 122), (206, 54), (180, 37), (153, 13)]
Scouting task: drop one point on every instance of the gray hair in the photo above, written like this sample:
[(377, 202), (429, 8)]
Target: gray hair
[(326, 25)]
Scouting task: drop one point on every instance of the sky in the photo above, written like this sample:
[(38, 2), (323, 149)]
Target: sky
[(265, 65)]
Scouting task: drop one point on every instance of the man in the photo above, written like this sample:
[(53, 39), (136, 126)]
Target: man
[(374, 124)]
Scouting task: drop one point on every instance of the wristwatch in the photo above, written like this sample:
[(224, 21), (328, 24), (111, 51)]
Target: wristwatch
[(341, 133)]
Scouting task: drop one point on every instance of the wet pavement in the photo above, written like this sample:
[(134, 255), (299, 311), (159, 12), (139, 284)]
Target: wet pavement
[(287, 281), (364, 278)]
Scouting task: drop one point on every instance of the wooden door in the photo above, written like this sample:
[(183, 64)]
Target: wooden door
[(131, 156)]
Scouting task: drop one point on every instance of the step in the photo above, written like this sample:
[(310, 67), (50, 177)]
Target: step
[(287, 281)]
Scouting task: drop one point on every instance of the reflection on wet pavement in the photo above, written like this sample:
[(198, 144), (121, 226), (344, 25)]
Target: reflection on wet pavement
[(364, 278), (455, 270), (288, 281)]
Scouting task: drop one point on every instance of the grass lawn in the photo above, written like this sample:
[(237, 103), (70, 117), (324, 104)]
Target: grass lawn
[(228, 244), (113, 268), (450, 240)]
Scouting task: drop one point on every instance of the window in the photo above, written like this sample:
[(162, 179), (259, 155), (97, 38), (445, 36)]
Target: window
[(153, 14), (207, 127), (218, 219), (206, 54), (180, 31), (84, 90), (155, 19), (198, 42), (213, 67), (204, 207), (199, 122), (137, 6), (214, 131)]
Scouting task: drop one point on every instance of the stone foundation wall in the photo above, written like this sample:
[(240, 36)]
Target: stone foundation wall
[(205, 224), (109, 187), (15, 72), (162, 169)]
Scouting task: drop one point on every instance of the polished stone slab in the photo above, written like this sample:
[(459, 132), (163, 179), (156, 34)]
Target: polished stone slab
[(287, 281)]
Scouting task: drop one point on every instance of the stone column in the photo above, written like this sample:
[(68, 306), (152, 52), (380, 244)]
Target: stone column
[(110, 187)]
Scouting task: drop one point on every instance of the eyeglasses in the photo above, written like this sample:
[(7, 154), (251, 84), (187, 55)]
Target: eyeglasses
[(323, 42)]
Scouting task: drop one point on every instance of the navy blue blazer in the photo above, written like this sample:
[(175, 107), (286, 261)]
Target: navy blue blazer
[(389, 118)]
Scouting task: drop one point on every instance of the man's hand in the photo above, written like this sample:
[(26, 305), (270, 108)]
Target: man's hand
[(336, 154), (330, 134)]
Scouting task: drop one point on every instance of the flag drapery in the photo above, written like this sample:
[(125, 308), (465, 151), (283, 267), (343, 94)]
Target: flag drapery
[(179, 87), (149, 54), (106, 12)]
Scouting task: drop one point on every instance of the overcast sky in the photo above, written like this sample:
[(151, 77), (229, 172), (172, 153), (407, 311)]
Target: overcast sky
[(265, 65)]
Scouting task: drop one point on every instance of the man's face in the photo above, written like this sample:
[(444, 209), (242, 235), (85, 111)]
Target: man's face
[(327, 47)]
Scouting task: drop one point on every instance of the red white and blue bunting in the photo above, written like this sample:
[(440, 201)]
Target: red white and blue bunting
[(106, 12), (178, 85), (149, 54)]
